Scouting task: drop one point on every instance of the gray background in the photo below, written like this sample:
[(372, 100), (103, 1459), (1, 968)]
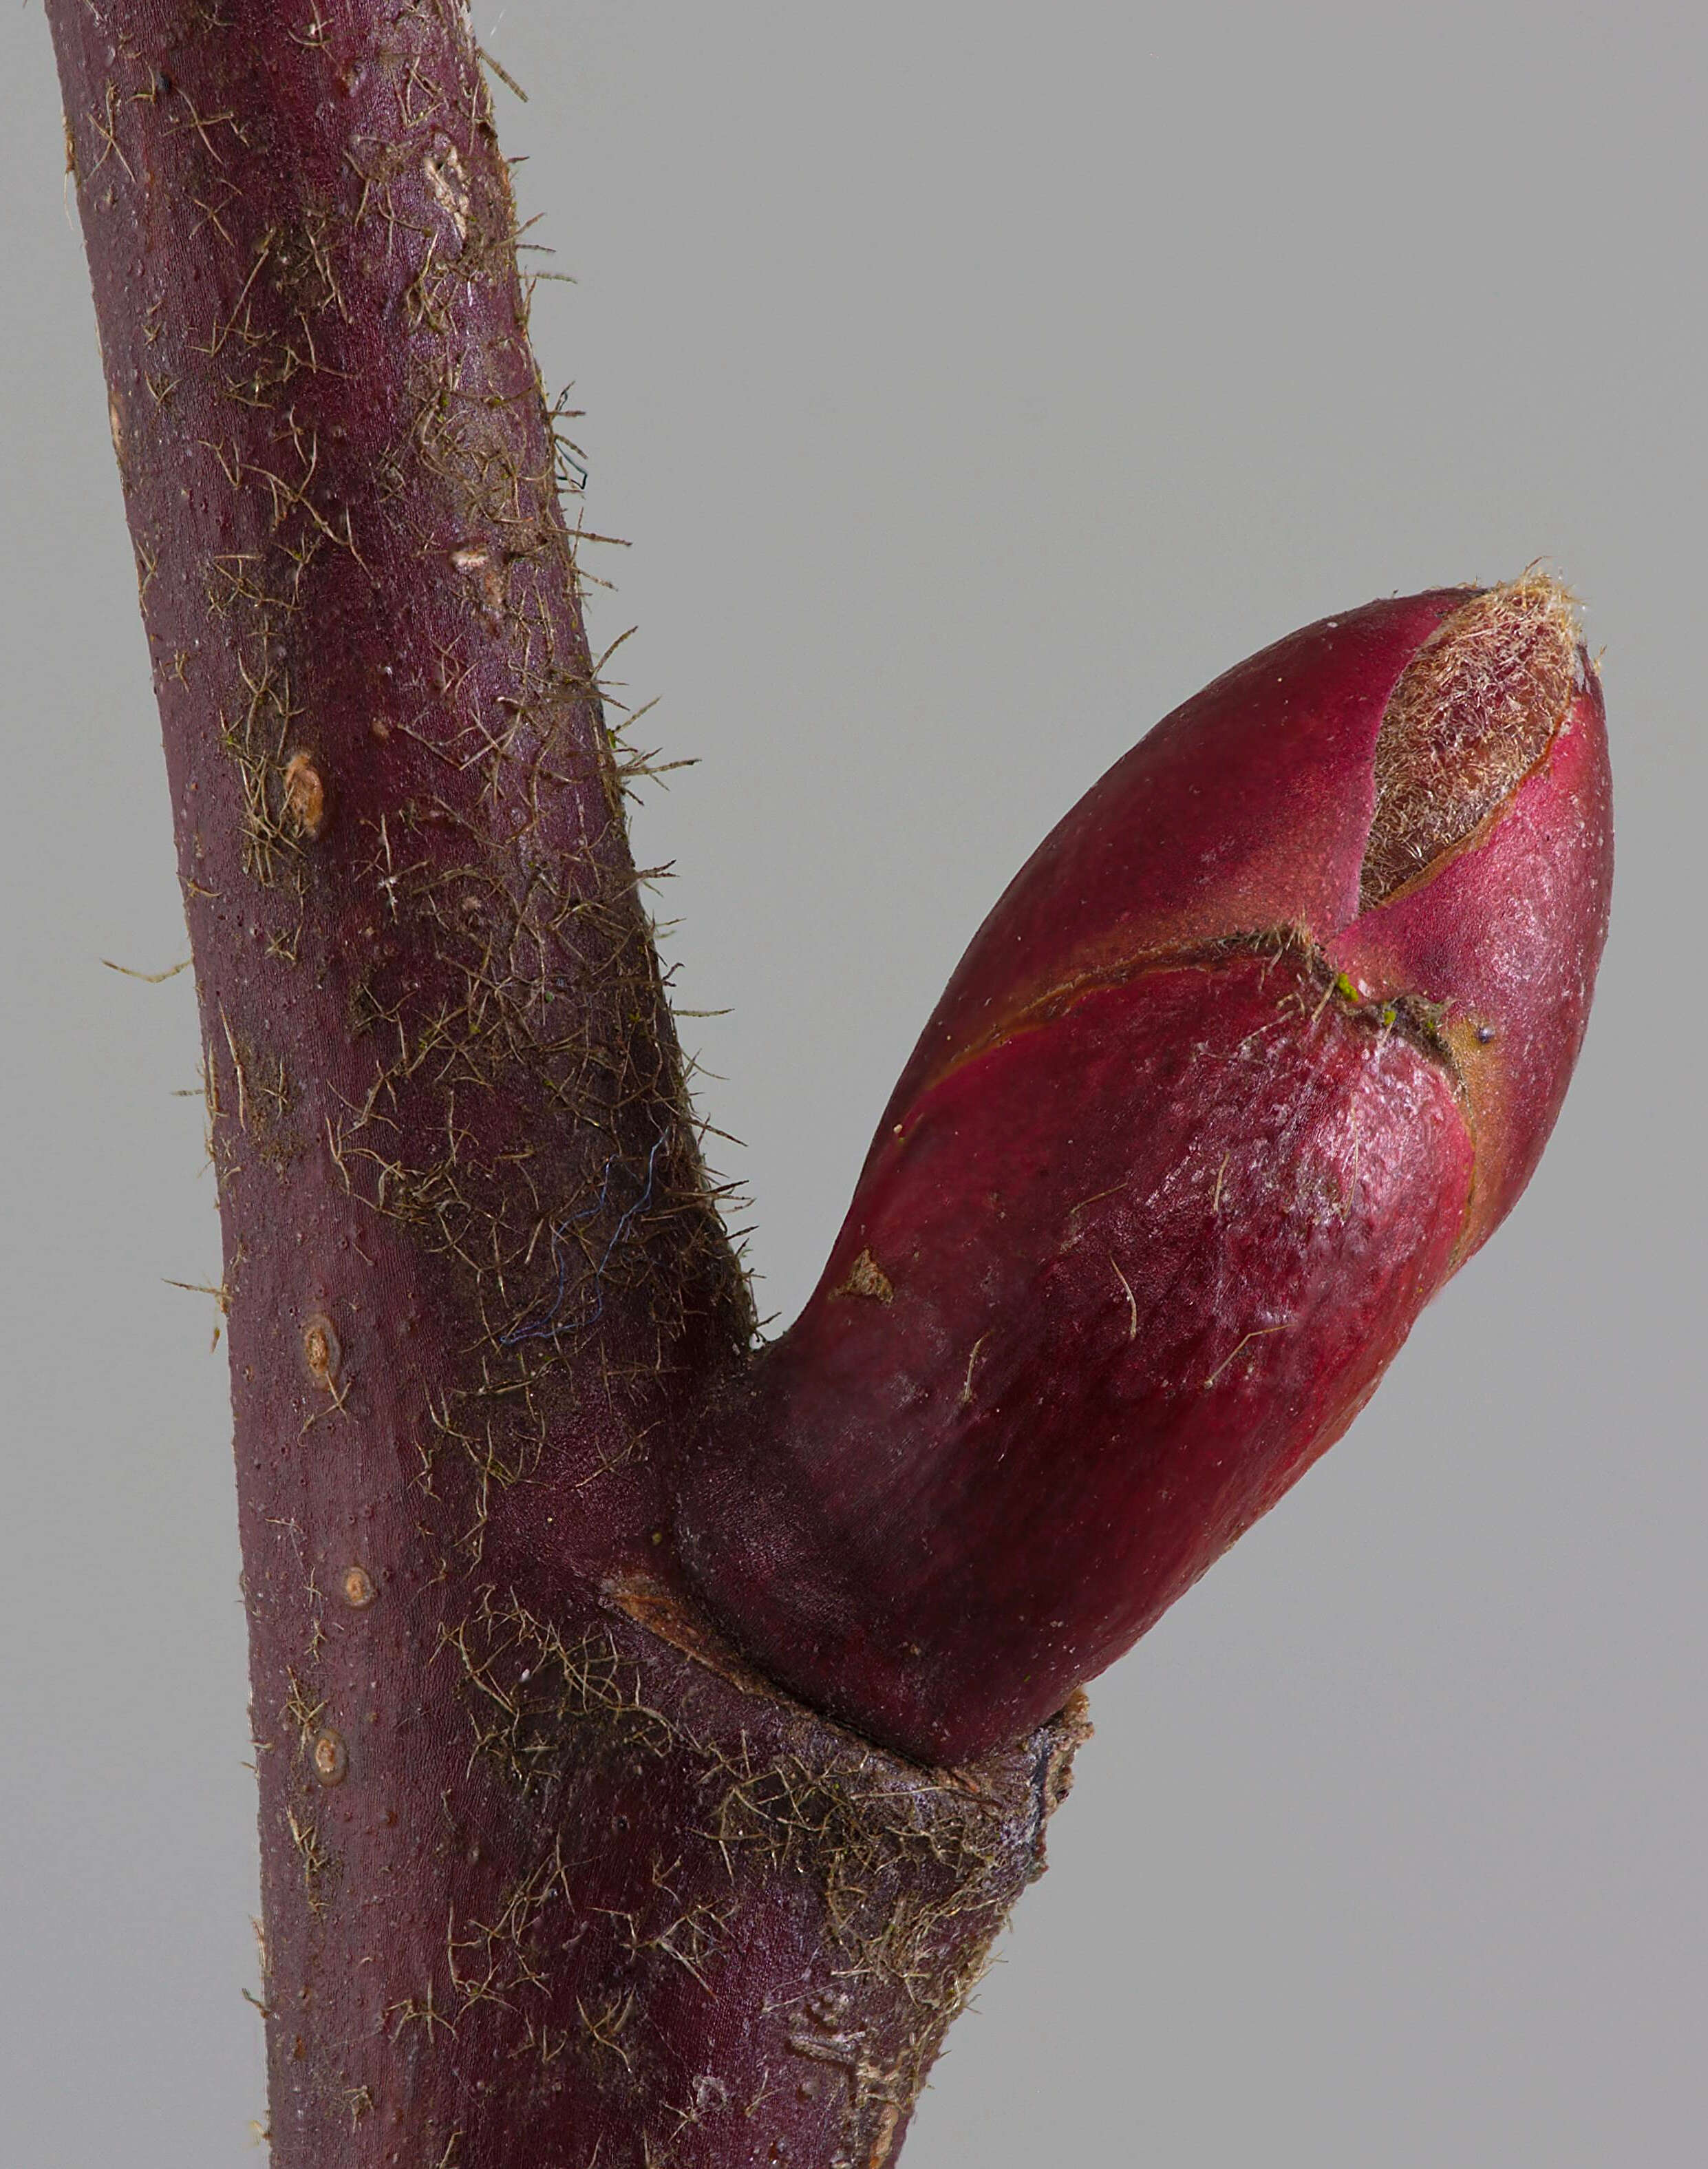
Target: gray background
[(975, 382)]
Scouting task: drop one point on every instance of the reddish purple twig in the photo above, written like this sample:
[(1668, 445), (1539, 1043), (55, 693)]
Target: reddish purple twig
[(653, 1735)]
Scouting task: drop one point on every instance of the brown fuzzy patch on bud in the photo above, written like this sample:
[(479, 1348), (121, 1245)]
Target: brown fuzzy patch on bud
[(1474, 710), (867, 1277)]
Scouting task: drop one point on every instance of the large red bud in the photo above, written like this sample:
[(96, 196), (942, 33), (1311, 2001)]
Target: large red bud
[(1266, 1036)]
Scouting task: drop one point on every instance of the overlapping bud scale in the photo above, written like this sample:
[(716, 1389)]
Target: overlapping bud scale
[(1263, 1042)]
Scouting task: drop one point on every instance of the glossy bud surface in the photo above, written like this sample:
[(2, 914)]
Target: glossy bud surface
[(1262, 1043)]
